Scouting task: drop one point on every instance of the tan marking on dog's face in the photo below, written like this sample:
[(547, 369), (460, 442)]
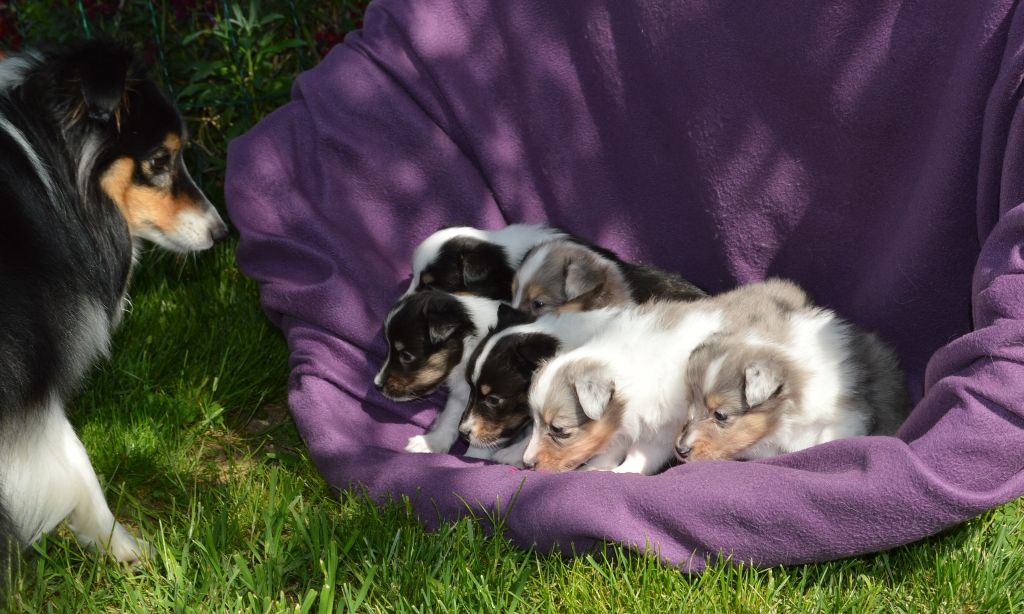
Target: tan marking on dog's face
[(426, 279), (571, 308), (713, 401), (587, 438), (485, 389), (711, 440), (422, 381), (144, 206)]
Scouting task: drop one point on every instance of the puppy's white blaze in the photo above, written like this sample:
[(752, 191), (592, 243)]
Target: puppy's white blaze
[(482, 311), (528, 270), (516, 239), (571, 329), (41, 169), (711, 375), (46, 476)]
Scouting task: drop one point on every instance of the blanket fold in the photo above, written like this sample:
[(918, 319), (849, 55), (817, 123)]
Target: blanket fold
[(872, 152)]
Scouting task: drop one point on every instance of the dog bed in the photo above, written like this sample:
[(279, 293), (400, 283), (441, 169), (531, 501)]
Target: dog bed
[(871, 151)]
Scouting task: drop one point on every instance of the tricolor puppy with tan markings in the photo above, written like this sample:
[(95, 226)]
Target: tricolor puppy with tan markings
[(462, 259), (501, 369), (430, 336)]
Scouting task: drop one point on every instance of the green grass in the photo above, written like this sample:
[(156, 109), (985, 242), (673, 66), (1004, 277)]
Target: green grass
[(187, 429)]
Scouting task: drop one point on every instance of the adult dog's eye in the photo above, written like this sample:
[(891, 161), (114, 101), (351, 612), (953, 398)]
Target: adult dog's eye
[(537, 305), (159, 164), (405, 357), (492, 401), (720, 416)]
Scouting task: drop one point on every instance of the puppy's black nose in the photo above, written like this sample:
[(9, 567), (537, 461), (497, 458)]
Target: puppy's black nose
[(464, 430), (682, 451), (529, 464), (219, 232), (379, 387)]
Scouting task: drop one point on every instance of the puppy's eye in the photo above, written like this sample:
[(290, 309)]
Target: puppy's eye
[(558, 432), (492, 401), (159, 164), (720, 416), (405, 357), (537, 305)]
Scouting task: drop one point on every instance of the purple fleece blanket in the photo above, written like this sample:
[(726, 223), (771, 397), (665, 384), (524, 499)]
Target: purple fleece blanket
[(872, 151)]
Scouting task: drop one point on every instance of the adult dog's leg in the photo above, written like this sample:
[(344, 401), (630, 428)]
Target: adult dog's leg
[(46, 476)]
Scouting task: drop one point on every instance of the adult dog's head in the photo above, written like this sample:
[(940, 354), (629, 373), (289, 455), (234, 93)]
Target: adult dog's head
[(126, 140)]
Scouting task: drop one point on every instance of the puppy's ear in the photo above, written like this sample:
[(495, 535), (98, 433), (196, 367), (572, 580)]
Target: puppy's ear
[(510, 316), (441, 325), (761, 381), (594, 389), (582, 277), (531, 350), (102, 70), (475, 268)]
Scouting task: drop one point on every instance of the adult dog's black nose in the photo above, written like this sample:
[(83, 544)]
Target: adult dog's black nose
[(219, 231)]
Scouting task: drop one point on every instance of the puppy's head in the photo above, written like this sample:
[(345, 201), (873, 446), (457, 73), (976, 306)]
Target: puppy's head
[(424, 333), (499, 376), (737, 395), (576, 413), (564, 276), (454, 262), (130, 138)]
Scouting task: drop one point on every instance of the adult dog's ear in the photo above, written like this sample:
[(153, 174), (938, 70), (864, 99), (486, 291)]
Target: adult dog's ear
[(102, 72)]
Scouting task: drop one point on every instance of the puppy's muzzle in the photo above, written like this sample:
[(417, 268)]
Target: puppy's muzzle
[(682, 450)]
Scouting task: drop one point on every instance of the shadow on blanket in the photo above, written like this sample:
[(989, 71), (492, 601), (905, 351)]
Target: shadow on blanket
[(871, 153)]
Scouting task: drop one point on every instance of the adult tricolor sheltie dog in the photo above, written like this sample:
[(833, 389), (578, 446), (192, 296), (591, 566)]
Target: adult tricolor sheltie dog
[(90, 164)]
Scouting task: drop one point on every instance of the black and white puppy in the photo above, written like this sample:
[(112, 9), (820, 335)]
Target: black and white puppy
[(475, 261), (91, 163), (431, 335), (501, 369), (568, 274)]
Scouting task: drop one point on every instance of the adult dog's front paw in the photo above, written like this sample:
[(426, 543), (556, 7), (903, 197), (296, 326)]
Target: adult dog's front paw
[(128, 549)]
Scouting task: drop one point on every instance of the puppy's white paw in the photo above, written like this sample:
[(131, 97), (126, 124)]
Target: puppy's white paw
[(421, 444), (512, 455), (128, 549)]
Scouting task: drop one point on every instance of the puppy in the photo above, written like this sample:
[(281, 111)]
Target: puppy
[(91, 164), (502, 366), (430, 336), (618, 401), (474, 261), (568, 275), (787, 381)]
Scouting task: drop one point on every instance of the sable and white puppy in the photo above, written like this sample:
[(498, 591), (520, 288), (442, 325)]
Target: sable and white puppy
[(788, 380), (475, 261), (618, 401), (569, 275), (430, 336), (502, 366)]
